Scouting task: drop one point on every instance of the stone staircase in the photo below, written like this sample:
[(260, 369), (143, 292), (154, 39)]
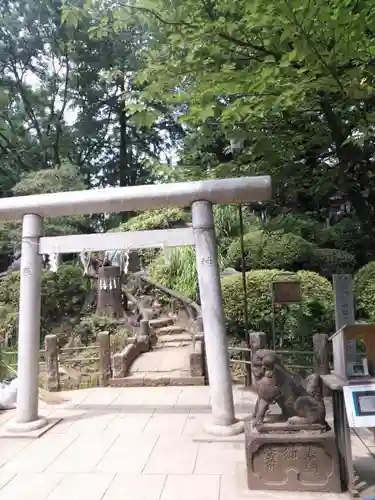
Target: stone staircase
[(167, 333), (164, 349)]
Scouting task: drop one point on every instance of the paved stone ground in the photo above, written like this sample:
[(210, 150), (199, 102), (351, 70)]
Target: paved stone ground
[(133, 444)]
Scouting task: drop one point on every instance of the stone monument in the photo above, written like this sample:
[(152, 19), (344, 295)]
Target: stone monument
[(294, 448)]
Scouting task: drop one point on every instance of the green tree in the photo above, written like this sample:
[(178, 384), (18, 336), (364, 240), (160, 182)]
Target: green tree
[(65, 178), (293, 80)]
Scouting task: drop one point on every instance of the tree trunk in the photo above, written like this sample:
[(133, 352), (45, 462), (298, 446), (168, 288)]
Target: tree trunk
[(109, 292)]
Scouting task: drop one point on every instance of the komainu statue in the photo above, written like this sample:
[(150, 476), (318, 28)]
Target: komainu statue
[(301, 401)]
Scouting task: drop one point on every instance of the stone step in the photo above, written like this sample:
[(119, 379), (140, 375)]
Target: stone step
[(166, 345), (160, 322), (179, 337), (139, 379), (170, 330)]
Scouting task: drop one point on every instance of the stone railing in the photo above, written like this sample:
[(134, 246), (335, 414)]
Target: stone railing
[(57, 360), (138, 344), (116, 366)]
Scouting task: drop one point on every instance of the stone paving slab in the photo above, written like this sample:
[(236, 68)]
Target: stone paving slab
[(176, 358), (137, 444)]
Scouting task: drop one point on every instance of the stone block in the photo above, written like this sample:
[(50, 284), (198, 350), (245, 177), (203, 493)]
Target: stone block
[(196, 360), (292, 461), (105, 358), (52, 363), (118, 365)]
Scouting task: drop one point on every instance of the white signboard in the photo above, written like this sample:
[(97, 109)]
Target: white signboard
[(360, 405)]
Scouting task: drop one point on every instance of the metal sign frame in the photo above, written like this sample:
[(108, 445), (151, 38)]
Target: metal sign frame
[(286, 292), (276, 299), (358, 415)]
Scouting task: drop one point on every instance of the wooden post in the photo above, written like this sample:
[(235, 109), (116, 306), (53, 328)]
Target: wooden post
[(52, 363), (105, 358)]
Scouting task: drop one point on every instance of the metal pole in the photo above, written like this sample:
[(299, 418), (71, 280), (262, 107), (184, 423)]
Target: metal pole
[(224, 421), (26, 416), (244, 287), (273, 315)]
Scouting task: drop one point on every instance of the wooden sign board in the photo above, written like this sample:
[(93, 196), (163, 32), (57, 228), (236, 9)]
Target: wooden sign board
[(286, 292), (360, 405)]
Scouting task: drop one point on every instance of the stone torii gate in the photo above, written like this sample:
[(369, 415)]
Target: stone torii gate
[(200, 195)]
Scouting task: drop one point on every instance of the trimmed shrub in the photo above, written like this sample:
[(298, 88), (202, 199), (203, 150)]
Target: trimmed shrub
[(344, 235), (63, 295), (364, 286), (294, 322), (328, 261), (301, 226), (271, 250), (227, 224)]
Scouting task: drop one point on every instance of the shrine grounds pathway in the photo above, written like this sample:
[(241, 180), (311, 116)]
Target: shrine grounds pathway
[(143, 443)]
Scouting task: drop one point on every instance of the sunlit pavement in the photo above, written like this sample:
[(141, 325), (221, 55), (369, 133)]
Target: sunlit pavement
[(142, 443)]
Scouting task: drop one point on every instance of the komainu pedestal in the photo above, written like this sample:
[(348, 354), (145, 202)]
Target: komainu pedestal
[(292, 461)]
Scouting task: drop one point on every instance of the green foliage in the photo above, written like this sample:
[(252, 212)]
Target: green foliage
[(54, 180), (364, 286), (345, 235), (63, 295), (65, 178), (90, 326), (270, 250), (8, 324), (164, 218), (301, 226), (156, 219), (295, 323), (179, 273), (329, 261), (227, 224), (292, 80)]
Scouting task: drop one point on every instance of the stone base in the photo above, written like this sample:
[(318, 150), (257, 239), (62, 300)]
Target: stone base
[(225, 430), (31, 430), (296, 461), (153, 379)]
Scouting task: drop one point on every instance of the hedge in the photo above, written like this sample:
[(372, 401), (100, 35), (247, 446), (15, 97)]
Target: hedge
[(62, 293), (270, 250), (364, 287), (313, 315)]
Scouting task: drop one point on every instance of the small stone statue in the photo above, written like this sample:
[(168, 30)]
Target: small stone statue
[(301, 401)]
